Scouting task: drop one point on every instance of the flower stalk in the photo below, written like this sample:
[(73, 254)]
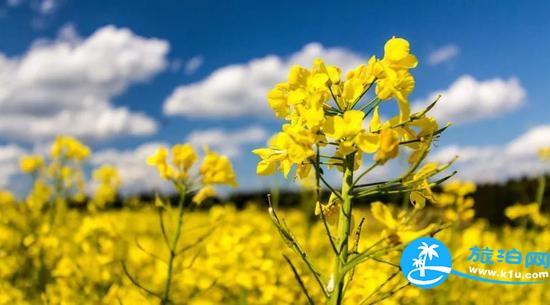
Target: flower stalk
[(327, 127), (172, 247), (344, 229), (214, 170)]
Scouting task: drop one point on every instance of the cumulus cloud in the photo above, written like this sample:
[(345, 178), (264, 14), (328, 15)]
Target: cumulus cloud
[(443, 54), (240, 89), (66, 85), (498, 163), (468, 99), (227, 142)]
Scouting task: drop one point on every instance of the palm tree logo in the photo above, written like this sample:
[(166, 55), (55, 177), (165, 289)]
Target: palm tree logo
[(426, 262), (426, 252)]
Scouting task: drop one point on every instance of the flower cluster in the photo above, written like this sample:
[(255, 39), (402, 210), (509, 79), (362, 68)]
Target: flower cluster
[(109, 182), (323, 110), (215, 169), (59, 175), (66, 147)]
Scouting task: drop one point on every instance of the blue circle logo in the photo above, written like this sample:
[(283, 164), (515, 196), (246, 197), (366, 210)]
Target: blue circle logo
[(426, 262)]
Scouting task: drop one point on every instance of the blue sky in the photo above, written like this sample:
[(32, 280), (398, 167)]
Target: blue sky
[(493, 52)]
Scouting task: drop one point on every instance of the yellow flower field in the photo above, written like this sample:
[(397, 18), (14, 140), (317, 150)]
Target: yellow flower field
[(239, 262)]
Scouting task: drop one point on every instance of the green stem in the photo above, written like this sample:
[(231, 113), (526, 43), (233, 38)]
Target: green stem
[(165, 300), (344, 228)]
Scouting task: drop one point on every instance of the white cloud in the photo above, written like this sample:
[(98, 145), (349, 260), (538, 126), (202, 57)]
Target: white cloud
[(9, 162), (135, 174), (498, 163), (227, 142), (66, 85), (468, 99), (241, 89), (536, 137), (443, 54), (193, 64)]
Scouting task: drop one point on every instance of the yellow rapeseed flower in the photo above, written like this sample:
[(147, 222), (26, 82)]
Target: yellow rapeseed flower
[(397, 54), (159, 160), (69, 147), (184, 156), (6, 197), (31, 163), (217, 169), (388, 145), (531, 211), (283, 152), (109, 182), (204, 193)]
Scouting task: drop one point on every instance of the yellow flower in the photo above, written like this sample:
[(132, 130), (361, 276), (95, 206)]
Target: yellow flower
[(159, 157), (460, 188), (419, 182), (107, 174), (302, 98), (395, 80), (277, 99), (346, 126), (184, 156), (205, 192), (359, 79), (6, 197), (69, 147), (159, 160), (285, 150), (388, 145), (31, 163), (397, 54), (109, 182), (398, 84), (348, 131), (217, 169), (532, 211)]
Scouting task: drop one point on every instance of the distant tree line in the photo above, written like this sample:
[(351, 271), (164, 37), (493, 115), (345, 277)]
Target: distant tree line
[(491, 198)]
